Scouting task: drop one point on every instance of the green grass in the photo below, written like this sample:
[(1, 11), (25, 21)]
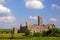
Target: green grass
[(19, 36), (5, 31), (5, 35), (44, 38), (37, 38)]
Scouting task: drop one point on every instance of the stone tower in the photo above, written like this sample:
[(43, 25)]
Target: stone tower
[(26, 25), (39, 20), (15, 30)]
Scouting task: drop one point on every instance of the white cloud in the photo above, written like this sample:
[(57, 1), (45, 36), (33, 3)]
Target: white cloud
[(53, 19), (7, 19), (34, 4), (33, 17), (55, 6), (4, 9), (2, 1)]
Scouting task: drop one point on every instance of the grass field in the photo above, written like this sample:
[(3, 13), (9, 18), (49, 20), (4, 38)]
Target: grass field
[(44, 38), (37, 38), (19, 36)]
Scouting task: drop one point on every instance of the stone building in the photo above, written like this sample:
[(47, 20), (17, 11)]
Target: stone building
[(15, 30), (34, 28)]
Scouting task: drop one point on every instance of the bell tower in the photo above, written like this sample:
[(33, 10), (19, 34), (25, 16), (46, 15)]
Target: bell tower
[(39, 20)]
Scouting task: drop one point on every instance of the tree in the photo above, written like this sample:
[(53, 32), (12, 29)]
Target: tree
[(51, 32), (36, 34), (44, 33), (54, 32), (27, 32)]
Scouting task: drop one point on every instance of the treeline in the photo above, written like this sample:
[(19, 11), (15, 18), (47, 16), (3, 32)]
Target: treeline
[(6, 31)]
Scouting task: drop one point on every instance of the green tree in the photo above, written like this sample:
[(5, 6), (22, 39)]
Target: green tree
[(27, 32), (36, 34), (54, 32), (51, 32), (44, 33)]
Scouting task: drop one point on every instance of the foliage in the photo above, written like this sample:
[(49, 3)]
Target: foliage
[(27, 32), (54, 32), (51, 32), (5, 31), (36, 34), (44, 33)]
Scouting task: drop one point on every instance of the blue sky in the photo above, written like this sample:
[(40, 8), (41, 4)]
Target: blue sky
[(16, 12)]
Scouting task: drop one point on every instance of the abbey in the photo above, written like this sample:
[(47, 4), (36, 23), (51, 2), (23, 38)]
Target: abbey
[(32, 27)]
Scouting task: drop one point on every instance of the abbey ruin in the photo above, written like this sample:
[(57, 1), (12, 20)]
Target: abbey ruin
[(32, 27)]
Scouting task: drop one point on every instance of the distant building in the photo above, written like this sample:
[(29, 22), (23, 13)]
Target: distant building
[(15, 30), (34, 28)]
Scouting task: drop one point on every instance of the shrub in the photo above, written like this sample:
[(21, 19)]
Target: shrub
[(51, 32), (36, 34), (27, 32), (54, 32), (43, 33)]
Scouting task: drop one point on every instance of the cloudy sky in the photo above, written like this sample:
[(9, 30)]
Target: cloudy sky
[(16, 12)]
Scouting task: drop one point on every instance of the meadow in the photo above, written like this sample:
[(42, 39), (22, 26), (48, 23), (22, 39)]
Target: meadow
[(19, 36), (44, 38), (12, 36), (37, 38)]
